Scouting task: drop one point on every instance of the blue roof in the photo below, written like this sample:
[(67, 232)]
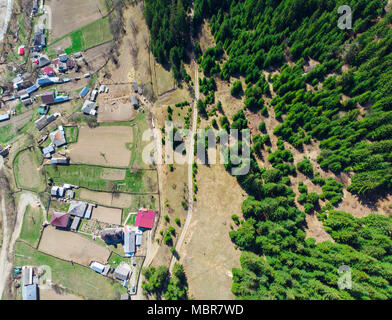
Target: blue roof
[(32, 89), (44, 81), (49, 149), (84, 92), (61, 99), (29, 292), (4, 117)]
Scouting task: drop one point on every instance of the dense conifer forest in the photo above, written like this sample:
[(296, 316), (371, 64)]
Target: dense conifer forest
[(343, 103)]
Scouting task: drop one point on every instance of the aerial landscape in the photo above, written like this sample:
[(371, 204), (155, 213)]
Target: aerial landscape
[(195, 150)]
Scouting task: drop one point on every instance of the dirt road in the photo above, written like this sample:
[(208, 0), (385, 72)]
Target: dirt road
[(26, 198), (190, 177), (5, 15)]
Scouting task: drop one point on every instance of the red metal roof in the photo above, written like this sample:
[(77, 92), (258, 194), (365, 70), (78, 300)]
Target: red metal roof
[(60, 219), (21, 51), (49, 71), (145, 219)]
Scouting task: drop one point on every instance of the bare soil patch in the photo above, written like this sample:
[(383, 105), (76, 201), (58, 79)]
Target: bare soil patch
[(108, 215), (72, 14), (103, 146), (72, 246), (209, 255)]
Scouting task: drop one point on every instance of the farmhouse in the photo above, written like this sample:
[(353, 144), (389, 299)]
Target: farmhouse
[(60, 219), (145, 219), (77, 208), (122, 272), (58, 137)]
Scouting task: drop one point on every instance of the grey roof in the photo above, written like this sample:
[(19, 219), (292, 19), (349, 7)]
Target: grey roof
[(129, 242), (75, 223), (134, 101), (70, 194), (125, 297), (44, 121), (122, 272), (30, 292), (77, 208), (58, 138), (27, 276), (43, 61), (88, 106)]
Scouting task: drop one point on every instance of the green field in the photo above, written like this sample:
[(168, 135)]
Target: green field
[(78, 280), (91, 177), (27, 172), (32, 222), (90, 35), (71, 134)]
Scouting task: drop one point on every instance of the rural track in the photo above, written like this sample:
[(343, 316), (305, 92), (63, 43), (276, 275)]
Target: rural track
[(190, 171)]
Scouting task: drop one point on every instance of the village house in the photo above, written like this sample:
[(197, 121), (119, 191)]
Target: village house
[(44, 121), (89, 108), (59, 160), (145, 219), (122, 272), (58, 137), (77, 208)]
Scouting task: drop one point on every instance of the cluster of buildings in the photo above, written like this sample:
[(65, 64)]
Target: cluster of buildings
[(66, 191), (57, 140), (130, 237), (77, 210), (29, 284), (90, 106)]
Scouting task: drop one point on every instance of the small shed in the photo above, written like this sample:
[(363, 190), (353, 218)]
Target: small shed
[(134, 102), (122, 272), (84, 92), (97, 267), (75, 224)]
